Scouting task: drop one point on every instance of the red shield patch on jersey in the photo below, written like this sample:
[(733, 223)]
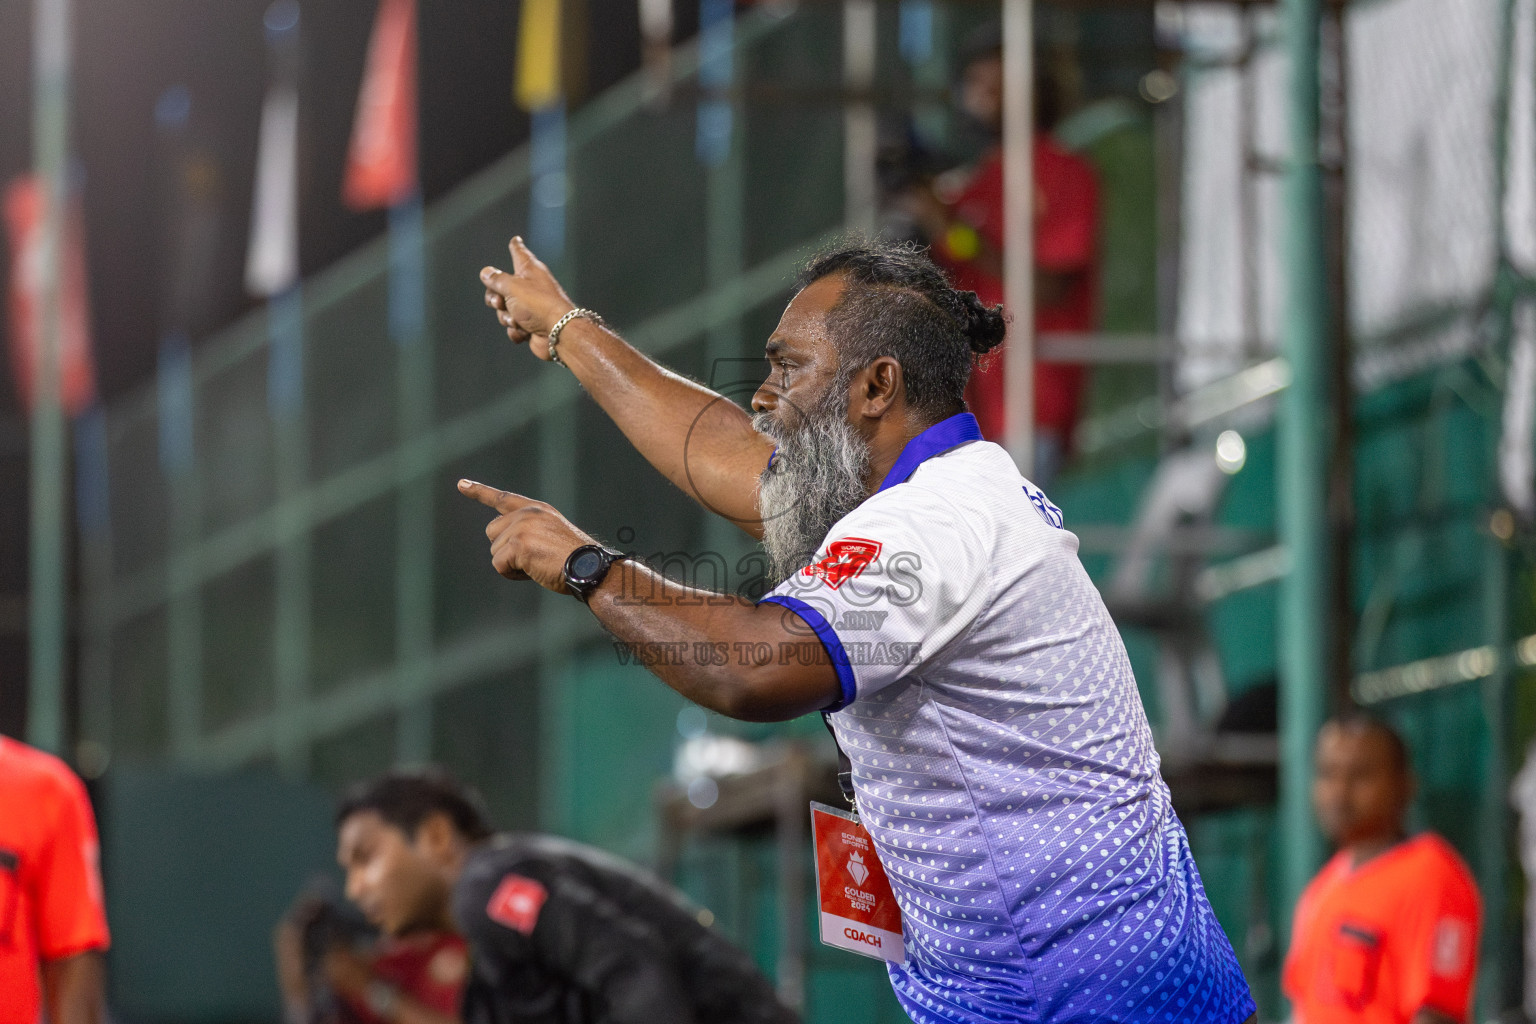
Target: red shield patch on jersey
[(516, 903), (844, 560)]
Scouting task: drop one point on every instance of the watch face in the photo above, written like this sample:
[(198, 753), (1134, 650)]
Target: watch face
[(587, 565)]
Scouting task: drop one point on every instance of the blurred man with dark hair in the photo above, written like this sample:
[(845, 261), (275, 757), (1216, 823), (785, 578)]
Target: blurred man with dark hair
[(963, 217), (558, 933), (53, 924), (1387, 932)]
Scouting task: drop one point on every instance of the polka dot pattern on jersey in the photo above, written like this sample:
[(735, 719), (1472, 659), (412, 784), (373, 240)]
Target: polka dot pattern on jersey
[(1009, 780)]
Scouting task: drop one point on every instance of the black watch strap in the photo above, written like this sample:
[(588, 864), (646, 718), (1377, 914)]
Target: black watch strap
[(587, 567)]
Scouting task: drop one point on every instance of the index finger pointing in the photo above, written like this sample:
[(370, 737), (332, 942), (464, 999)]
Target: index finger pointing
[(501, 501)]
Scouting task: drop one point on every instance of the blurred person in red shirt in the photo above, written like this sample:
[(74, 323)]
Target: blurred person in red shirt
[(962, 216), (333, 968), (1387, 932), (53, 926)]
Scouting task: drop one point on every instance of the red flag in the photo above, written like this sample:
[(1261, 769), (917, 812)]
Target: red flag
[(24, 202), (381, 167)]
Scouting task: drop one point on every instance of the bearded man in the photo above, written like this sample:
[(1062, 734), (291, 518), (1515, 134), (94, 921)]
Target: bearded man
[(1001, 758)]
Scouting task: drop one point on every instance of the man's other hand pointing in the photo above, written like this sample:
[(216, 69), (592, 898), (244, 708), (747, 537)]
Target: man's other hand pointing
[(529, 539)]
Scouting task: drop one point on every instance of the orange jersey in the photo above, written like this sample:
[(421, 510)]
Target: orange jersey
[(50, 886), (1377, 943)]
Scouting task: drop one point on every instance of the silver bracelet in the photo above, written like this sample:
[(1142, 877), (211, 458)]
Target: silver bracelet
[(554, 332)]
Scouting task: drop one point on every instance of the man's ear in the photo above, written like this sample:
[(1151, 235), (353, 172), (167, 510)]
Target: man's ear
[(881, 385), (435, 837)]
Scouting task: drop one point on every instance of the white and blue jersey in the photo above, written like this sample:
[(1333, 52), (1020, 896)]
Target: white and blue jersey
[(1002, 760)]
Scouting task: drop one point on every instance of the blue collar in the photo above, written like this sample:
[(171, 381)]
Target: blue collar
[(936, 440)]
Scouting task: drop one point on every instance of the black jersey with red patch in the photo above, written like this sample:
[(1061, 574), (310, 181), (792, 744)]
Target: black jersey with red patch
[(562, 933)]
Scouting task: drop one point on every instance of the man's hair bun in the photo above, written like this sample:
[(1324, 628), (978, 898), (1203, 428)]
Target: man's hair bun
[(985, 327), (897, 302)]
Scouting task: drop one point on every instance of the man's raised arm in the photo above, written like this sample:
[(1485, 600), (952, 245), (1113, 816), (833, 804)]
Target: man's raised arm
[(701, 441)]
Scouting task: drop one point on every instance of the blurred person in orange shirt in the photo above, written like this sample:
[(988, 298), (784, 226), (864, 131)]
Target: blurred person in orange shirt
[(1387, 932), (53, 926), (963, 218)]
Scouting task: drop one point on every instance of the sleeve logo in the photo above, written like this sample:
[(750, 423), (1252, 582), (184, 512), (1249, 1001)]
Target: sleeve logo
[(516, 903), (844, 560), (1049, 512)]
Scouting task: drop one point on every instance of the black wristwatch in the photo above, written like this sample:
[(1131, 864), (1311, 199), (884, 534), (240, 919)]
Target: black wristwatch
[(587, 566)]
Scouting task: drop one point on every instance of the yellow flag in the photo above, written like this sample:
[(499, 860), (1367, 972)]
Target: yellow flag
[(538, 54)]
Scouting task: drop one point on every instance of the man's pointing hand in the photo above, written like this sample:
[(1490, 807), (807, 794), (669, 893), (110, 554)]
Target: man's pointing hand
[(527, 301), (529, 539)]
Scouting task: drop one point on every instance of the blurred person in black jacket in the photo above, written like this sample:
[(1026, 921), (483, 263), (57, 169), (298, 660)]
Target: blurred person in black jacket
[(558, 932)]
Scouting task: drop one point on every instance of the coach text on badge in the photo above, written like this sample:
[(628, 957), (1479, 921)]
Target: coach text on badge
[(858, 909)]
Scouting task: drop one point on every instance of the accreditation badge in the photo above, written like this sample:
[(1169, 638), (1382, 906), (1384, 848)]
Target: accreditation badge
[(858, 908)]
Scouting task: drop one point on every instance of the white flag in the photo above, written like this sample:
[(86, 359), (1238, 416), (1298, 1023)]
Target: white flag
[(272, 260)]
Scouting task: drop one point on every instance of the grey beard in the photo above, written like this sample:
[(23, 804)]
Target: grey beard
[(816, 479)]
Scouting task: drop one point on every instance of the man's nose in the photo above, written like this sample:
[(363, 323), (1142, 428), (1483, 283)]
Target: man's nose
[(765, 399)]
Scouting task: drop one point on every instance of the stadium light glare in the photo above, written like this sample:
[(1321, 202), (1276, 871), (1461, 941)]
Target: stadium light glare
[(1231, 452)]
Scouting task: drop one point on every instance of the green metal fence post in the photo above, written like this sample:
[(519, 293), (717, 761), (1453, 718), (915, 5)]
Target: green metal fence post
[(725, 259), (1303, 447), (46, 565), (414, 500), (294, 555), (1492, 861), (559, 485), (184, 619), (1499, 964)]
